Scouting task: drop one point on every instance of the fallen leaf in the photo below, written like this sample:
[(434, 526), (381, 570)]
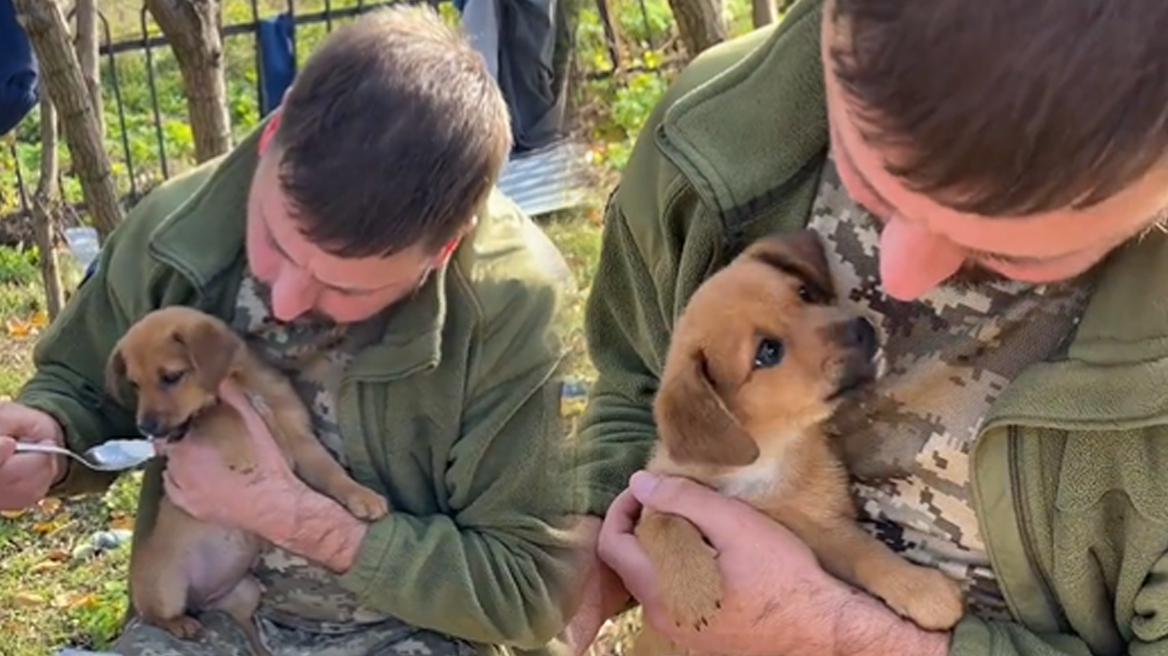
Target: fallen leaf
[(57, 554), (39, 319), (44, 527), (122, 522), (18, 328), (45, 566), (75, 600), (49, 505), (12, 514), (27, 599)]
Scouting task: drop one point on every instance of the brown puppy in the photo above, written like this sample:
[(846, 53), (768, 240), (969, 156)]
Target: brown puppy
[(175, 358), (759, 359)]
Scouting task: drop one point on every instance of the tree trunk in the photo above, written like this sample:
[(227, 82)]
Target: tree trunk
[(86, 42), (192, 28), (46, 211), (699, 24), (64, 84), (762, 12)]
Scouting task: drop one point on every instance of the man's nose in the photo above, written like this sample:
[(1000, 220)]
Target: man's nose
[(293, 294), (914, 261)]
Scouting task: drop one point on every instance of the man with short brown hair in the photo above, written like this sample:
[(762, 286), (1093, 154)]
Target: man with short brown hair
[(987, 180), (357, 242)]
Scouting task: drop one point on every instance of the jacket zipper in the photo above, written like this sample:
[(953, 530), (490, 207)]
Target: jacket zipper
[(1025, 524)]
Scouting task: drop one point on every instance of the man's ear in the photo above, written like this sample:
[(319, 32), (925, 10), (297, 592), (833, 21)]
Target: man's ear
[(694, 423)]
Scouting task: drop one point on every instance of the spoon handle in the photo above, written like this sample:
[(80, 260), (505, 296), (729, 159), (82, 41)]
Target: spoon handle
[(33, 447)]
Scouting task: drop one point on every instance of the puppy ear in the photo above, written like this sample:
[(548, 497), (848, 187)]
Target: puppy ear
[(695, 425), (798, 254), (211, 347), (115, 373)]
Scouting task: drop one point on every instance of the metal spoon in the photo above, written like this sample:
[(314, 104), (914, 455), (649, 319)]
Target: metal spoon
[(113, 455)]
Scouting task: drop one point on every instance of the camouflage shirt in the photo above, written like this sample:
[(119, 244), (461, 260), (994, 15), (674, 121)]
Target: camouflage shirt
[(314, 354), (949, 354)]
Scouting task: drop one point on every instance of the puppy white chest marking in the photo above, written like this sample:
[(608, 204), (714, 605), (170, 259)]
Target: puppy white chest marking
[(758, 479)]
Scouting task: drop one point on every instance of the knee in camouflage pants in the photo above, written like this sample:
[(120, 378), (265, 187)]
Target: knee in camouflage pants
[(222, 637)]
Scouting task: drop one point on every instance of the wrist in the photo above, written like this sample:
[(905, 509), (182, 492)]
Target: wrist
[(316, 527), (866, 627)]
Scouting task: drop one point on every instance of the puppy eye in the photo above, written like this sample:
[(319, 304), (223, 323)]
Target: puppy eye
[(169, 378), (769, 353)]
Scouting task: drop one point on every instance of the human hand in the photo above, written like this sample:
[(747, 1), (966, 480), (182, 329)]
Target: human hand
[(602, 592), (776, 599), (199, 482), (25, 478)]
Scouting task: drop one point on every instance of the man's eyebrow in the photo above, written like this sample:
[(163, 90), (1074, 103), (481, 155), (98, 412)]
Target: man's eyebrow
[(271, 238)]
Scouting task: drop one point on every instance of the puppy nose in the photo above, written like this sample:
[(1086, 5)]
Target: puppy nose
[(150, 426), (861, 334)]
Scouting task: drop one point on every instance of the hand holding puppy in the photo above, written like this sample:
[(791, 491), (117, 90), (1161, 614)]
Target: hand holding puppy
[(259, 500), (776, 598), (26, 478)]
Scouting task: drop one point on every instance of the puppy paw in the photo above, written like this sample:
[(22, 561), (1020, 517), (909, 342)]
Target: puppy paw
[(927, 597), (365, 503), (183, 627), (691, 595)]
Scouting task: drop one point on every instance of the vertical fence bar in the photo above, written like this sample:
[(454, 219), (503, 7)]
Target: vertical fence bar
[(121, 108), (255, 21), (154, 94), (21, 192), (648, 25)]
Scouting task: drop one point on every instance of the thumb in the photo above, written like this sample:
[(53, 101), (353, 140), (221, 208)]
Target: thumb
[(7, 448), (715, 514), (23, 423), (253, 419)]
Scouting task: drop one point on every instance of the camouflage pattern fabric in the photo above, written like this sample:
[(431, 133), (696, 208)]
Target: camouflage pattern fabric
[(304, 610), (907, 441), (313, 352), (223, 637)]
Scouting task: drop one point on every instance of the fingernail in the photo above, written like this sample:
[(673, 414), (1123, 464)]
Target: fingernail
[(642, 484)]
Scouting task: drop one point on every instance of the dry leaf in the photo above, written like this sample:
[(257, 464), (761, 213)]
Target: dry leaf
[(39, 319), (18, 328), (45, 566), (44, 527), (122, 522), (75, 600), (12, 514), (57, 554), (27, 599), (49, 505)]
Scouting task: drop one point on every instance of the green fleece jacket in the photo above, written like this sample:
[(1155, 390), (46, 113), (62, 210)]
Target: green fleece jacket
[(454, 415), (1070, 471)]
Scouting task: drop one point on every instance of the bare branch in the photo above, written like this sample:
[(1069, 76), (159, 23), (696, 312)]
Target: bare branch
[(64, 84)]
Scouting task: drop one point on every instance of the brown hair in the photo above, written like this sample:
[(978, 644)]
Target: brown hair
[(1009, 107), (392, 135)]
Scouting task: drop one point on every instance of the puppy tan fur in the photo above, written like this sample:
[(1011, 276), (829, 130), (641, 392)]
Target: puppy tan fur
[(175, 358), (759, 360)]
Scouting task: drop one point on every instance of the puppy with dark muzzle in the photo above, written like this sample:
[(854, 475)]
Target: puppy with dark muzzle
[(759, 359), (175, 359)]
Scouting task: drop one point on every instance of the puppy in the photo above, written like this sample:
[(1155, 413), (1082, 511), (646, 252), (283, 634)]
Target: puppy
[(175, 358), (759, 359)]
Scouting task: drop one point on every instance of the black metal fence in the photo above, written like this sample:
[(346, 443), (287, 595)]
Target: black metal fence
[(144, 108)]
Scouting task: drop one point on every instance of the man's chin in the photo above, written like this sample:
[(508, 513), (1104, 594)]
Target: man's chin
[(974, 275)]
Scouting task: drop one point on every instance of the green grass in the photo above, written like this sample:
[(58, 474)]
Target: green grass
[(50, 597)]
